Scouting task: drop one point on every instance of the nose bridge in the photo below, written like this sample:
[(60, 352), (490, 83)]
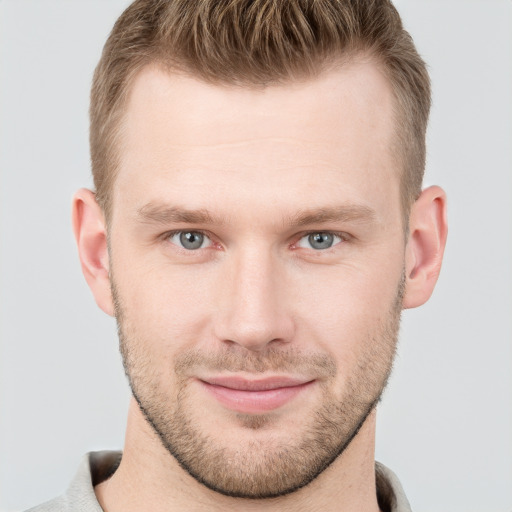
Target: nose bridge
[(253, 312)]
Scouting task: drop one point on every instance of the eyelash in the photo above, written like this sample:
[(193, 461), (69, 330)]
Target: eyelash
[(170, 234), (343, 236)]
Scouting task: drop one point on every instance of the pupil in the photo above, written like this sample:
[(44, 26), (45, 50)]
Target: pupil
[(191, 240), (321, 240)]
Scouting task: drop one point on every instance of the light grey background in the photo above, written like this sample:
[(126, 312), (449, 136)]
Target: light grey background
[(445, 425)]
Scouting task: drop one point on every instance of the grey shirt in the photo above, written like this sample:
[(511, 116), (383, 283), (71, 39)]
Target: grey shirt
[(99, 466)]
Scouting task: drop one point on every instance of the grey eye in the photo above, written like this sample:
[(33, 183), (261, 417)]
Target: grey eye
[(190, 240), (319, 241)]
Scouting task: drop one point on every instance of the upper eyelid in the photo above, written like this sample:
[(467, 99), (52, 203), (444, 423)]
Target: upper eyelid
[(341, 234), (169, 234), (298, 236)]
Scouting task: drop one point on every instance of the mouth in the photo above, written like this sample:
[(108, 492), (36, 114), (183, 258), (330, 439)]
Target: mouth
[(255, 396)]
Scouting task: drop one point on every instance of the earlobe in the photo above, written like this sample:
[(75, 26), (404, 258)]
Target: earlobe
[(91, 238), (425, 247)]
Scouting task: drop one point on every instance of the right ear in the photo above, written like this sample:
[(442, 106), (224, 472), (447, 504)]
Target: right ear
[(91, 238)]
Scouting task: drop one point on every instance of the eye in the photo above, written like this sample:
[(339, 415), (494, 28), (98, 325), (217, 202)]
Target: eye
[(319, 241), (190, 240)]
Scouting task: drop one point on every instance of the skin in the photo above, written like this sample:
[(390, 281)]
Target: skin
[(264, 164)]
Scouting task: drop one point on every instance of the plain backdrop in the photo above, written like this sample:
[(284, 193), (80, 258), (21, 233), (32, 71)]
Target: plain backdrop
[(445, 423)]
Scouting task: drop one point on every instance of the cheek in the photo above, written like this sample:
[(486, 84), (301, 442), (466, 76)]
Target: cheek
[(163, 307), (349, 312), (349, 292)]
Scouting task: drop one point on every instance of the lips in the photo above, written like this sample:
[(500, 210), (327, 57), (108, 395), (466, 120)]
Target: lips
[(255, 396)]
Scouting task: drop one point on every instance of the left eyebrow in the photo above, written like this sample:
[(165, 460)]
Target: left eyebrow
[(345, 213)]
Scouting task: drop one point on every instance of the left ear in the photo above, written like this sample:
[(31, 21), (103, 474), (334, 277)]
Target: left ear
[(428, 229)]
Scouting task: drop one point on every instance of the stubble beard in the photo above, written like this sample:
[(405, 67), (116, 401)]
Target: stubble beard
[(263, 467)]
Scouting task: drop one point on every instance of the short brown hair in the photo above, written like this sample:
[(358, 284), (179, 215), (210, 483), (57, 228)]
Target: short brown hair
[(257, 43)]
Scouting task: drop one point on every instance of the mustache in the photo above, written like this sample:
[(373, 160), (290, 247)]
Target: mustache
[(276, 360)]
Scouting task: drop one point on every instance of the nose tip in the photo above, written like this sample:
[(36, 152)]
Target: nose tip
[(255, 338)]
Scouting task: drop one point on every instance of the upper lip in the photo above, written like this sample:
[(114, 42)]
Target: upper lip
[(262, 384)]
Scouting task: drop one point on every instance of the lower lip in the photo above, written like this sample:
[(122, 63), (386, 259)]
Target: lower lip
[(254, 402)]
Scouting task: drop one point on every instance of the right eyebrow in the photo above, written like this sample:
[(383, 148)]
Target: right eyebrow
[(167, 214)]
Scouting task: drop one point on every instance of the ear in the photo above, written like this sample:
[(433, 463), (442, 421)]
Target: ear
[(91, 238), (425, 247)]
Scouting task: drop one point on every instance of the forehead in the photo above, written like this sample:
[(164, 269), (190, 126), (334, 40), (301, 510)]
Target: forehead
[(334, 129), (355, 90)]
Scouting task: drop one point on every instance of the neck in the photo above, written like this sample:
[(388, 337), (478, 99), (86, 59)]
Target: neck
[(149, 478)]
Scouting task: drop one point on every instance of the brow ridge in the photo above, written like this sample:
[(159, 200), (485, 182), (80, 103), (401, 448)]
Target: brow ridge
[(168, 214), (344, 213)]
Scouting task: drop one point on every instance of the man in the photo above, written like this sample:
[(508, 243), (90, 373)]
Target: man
[(258, 225)]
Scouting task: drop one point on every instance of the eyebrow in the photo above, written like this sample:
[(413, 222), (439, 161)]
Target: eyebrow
[(167, 214), (345, 213)]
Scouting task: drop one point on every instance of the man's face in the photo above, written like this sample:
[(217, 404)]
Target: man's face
[(257, 256)]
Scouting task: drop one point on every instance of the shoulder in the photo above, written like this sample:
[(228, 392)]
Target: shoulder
[(390, 493), (80, 497)]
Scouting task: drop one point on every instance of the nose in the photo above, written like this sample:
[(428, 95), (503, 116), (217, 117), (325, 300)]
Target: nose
[(252, 302)]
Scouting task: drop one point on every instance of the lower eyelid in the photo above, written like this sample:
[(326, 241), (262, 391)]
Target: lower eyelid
[(171, 234), (208, 241), (339, 238)]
